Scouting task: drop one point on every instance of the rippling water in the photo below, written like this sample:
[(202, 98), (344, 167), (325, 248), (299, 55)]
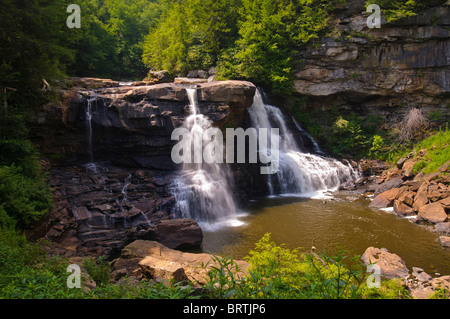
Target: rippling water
[(331, 223)]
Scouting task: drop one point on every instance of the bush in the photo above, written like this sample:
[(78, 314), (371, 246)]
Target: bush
[(98, 269), (281, 273), (348, 138), (24, 199)]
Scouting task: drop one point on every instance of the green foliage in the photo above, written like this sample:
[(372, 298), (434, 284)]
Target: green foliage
[(109, 43), (377, 146), (280, 273), (394, 10), (348, 137), (24, 199), (98, 269), (270, 35), (247, 39), (191, 34)]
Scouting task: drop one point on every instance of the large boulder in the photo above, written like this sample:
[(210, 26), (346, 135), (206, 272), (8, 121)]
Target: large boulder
[(402, 209), (433, 213), (194, 265), (180, 233), (391, 265), (387, 198), (421, 197), (156, 268)]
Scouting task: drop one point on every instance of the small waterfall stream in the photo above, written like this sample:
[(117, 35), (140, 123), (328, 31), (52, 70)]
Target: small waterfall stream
[(90, 102), (299, 173)]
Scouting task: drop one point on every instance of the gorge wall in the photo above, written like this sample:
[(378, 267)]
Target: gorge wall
[(122, 191), (403, 64)]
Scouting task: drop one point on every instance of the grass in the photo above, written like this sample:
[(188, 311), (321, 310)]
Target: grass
[(437, 148)]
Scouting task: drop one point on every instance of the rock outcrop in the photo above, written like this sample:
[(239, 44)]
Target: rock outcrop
[(132, 125), (391, 265), (402, 64), (156, 261)]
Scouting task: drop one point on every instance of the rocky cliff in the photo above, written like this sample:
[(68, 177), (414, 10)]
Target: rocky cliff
[(108, 153), (405, 63)]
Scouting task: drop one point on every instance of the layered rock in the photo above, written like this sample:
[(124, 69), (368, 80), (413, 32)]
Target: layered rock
[(132, 125), (403, 63)]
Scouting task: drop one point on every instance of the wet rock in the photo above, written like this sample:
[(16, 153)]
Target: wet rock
[(387, 198), (402, 209), (443, 228), (391, 265), (445, 241), (175, 233)]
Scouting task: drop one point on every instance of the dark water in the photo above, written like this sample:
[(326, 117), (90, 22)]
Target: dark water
[(331, 224)]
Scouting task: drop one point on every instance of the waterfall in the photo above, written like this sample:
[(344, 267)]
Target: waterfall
[(202, 191), (89, 104), (299, 173)]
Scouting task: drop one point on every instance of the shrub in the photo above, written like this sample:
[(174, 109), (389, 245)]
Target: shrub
[(98, 269), (24, 199), (411, 125)]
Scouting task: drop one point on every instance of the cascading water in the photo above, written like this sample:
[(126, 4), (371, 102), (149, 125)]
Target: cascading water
[(202, 191), (90, 102), (299, 173)]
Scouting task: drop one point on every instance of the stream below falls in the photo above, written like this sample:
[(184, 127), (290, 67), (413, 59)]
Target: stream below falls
[(330, 223)]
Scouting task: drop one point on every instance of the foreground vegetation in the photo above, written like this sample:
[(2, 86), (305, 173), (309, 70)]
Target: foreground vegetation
[(27, 272)]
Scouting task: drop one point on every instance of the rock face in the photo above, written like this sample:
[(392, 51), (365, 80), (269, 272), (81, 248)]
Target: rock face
[(391, 265), (132, 125), (125, 129), (181, 233), (402, 63)]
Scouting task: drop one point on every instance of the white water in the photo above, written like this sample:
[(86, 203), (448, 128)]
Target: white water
[(89, 104), (299, 173), (202, 191)]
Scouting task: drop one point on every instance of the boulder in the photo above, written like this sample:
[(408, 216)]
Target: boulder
[(445, 203), (407, 198), (391, 265), (402, 209), (175, 233), (195, 265), (423, 277), (421, 197), (157, 268), (160, 76), (444, 167), (445, 241), (387, 198), (443, 228), (433, 213), (441, 282), (385, 186)]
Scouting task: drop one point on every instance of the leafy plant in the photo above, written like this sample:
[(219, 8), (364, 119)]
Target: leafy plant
[(98, 269)]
